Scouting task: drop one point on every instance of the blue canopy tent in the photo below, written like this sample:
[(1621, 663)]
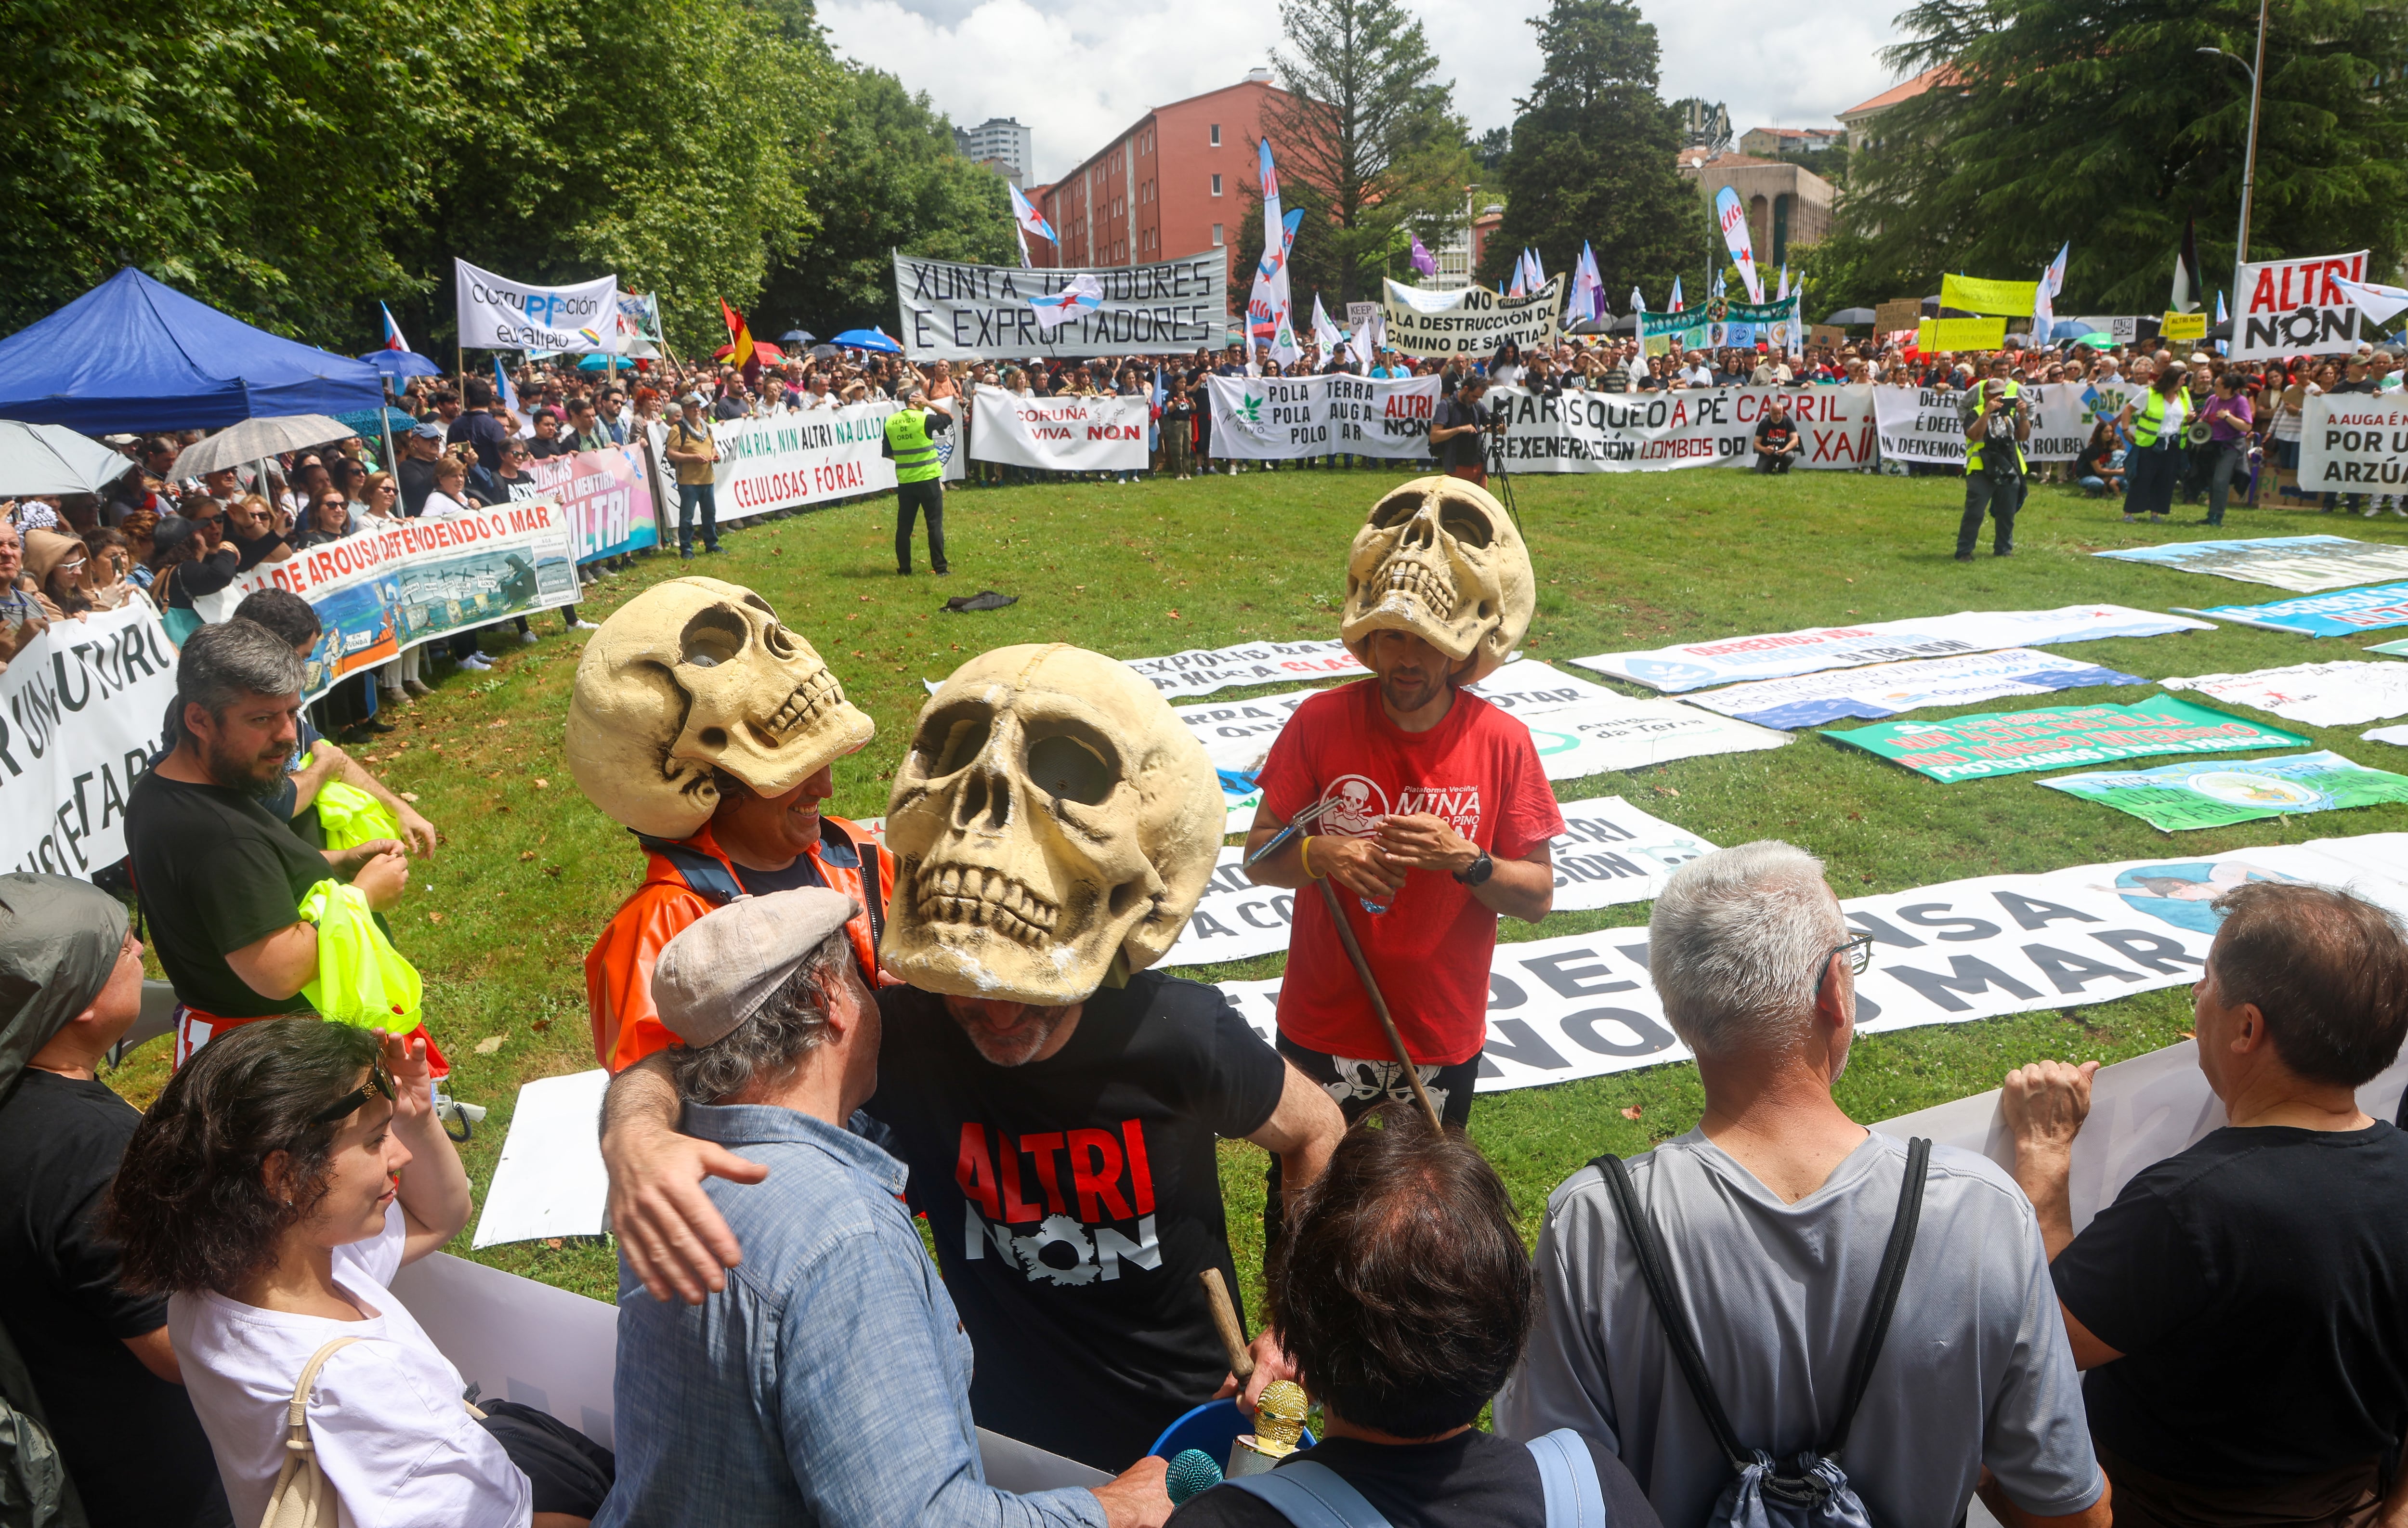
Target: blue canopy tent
[(133, 355)]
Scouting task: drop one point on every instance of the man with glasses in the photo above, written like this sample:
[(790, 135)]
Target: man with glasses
[(1773, 1215)]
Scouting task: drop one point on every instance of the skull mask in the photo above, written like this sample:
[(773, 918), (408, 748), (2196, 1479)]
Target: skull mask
[(696, 675), (1052, 814), (1439, 558)]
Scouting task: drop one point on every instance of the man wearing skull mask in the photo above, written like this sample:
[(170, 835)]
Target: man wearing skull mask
[(674, 697), (1433, 808), (1055, 1102)]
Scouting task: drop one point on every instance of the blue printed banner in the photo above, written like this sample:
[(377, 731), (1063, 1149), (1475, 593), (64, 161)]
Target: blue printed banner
[(2327, 615), (1885, 690), (2305, 565)]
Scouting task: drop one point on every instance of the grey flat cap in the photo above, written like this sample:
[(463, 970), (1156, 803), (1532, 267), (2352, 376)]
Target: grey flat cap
[(719, 970)]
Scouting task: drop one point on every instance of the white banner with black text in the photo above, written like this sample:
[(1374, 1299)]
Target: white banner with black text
[(80, 709), (951, 312), (1074, 434), (1656, 432), (1279, 419)]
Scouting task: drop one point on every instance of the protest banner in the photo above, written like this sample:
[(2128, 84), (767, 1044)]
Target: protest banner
[(1885, 690), (1614, 732), (1581, 1006), (1659, 431), (1932, 335), (389, 588), (1900, 313), (1199, 671), (607, 496), (2316, 694), (1610, 853), (2060, 422), (951, 312), (2353, 443), (2103, 398), (500, 314), (1067, 434), (2294, 307), (1471, 321), (1976, 295), (1237, 733), (788, 460), (1823, 334), (2177, 797), (1967, 748), (2306, 565), (1277, 419), (1693, 665), (1693, 329), (2399, 649), (2397, 735), (1776, 325), (2183, 328), (80, 709), (1919, 424)]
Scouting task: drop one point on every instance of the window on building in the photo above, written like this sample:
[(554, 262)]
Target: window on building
[(1216, 236), (1216, 185), (1217, 143)]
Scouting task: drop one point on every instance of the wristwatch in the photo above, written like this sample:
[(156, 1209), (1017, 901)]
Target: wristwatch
[(1478, 871)]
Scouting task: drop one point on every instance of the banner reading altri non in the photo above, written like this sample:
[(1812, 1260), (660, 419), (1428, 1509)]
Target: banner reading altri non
[(1277, 419), (500, 314), (1472, 321), (2293, 308), (956, 312), (79, 713), (1656, 432), (382, 592)]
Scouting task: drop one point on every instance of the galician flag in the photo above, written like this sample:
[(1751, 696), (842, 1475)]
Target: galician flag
[(1588, 292), (1084, 294), (392, 340), (1271, 312), (1678, 307), (1024, 213), (2051, 281), (1325, 333)]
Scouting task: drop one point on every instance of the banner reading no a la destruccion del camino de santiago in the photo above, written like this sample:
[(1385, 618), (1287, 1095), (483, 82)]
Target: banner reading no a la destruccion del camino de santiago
[(952, 312), (1471, 322)]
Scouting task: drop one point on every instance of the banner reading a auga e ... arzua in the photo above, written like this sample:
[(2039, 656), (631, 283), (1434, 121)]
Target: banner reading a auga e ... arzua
[(951, 312), (2353, 442), (80, 709)]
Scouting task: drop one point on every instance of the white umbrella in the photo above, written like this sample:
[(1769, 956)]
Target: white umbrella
[(53, 459), (255, 439)]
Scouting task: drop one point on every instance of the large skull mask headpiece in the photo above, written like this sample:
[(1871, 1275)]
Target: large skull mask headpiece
[(1441, 559), (1052, 813), (696, 675)]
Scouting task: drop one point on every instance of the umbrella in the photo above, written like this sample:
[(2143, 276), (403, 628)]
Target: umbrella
[(255, 439), (797, 337), (870, 339), (769, 354), (600, 361), (2096, 341), (53, 459), (2070, 329), (402, 363), (1849, 318)]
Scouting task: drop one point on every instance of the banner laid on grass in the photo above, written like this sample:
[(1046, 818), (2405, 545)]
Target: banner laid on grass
[(606, 496), (1894, 688), (81, 707), (1062, 434), (1237, 733), (1693, 665), (2305, 565), (1471, 321), (1278, 419), (1658, 432), (1581, 1006), (2314, 695), (382, 592), (2325, 615), (2353, 443), (1614, 732), (1199, 671), (956, 312), (1610, 853), (1967, 747), (2191, 796)]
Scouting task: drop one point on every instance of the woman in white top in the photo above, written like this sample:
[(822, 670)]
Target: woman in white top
[(287, 1172)]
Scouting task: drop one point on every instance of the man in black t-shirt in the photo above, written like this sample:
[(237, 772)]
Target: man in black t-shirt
[(420, 449), (102, 1371), (1776, 439), (2242, 1308), (480, 428), (220, 875), (1459, 435)]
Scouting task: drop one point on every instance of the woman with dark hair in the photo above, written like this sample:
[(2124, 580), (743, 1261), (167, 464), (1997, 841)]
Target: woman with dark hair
[(286, 1174), (329, 519)]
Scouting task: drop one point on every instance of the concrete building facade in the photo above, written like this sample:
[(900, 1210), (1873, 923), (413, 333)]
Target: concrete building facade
[(1002, 145), (1787, 206)]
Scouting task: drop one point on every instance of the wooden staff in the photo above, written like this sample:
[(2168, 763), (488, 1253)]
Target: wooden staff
[(1379, 1004), (1225, 1320)]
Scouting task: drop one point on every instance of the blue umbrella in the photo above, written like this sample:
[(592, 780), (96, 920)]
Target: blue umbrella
[(870, 339), (600, 361), (2070, 329), (397, 363)]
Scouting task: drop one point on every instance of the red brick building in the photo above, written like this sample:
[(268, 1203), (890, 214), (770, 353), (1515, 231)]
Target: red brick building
[(1173, 185)]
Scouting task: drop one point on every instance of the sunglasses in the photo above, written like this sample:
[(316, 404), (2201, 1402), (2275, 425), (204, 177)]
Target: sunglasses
[(351, 1103), (1859, 949)]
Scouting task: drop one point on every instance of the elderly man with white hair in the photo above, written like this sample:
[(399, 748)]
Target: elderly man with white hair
[(1772, 1225)]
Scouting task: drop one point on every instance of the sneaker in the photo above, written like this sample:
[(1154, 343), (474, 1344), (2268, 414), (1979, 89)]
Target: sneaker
[(2398, 512), (2157, 519), (2132, 520), (687, 555), (2370, 513), (1964, 557), (476, 661), (527, 639), (583, 626)]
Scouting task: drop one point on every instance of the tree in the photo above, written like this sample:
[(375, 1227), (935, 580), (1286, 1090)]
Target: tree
[(1594, 158), (1370, 128), (890, 180), (1489, 150), (2099, 122)]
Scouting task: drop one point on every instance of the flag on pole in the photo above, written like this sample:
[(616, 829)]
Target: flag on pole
[(2223, 346), (2183, 295), (1024, 213), (1084, 294), (1678, 307), (1325, 333), (740, 338), (1537, 272), (1783, 295), (1588, 292), (1423, 260), (392, 340), (1270, 313), (1638, 303), (1521, 286), (2379, 303), (2052, 282)]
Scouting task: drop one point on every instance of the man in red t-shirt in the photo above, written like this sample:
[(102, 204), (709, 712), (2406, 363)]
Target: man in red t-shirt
[(1442, 816)]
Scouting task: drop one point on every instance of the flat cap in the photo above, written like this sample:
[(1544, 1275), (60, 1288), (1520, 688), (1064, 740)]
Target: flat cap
[(719, 970)]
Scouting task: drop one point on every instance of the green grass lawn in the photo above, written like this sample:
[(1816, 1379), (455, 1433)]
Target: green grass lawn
[(500, 920)]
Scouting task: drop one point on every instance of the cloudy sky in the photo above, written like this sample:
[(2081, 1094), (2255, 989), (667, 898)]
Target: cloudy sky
[(1079, 72)]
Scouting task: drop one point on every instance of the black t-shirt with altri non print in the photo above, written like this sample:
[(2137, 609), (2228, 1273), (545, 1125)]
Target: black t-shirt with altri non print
[(2258, 1286), (216, 870), (1074, 1200), (1473, 1479), (1775, 434), (129, 1438)]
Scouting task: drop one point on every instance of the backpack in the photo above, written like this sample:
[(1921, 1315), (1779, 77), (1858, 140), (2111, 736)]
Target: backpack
[(1814, 1492), (1312, 1495)]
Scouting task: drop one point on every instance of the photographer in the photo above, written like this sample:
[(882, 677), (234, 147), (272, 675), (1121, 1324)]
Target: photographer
[(1457, 436), (1997, 419)]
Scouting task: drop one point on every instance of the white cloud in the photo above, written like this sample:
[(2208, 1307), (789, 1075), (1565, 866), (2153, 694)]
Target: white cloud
[(1078, 73)]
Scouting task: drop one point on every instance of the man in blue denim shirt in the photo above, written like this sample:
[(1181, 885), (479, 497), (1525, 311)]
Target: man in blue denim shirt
[(828, 1382)]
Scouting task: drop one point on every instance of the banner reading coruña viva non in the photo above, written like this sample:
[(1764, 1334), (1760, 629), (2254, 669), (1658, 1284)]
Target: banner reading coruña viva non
[(1277, 419), (384, 591), (1656, 432), (954, 312), (2351, 442), (79, 713), (1062, 433), (2293, 308), (500, 314), (1472, 321)]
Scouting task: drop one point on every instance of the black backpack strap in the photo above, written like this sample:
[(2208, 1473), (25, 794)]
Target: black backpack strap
[(1886, 1287), (1683, 1342), (704, 875)]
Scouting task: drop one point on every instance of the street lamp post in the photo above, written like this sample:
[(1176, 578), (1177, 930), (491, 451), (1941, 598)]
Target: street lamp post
[(2249, 156)]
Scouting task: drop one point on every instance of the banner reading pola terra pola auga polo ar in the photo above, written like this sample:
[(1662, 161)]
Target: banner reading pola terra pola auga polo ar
[(1273, 419), (956, 312), (1473, 321)]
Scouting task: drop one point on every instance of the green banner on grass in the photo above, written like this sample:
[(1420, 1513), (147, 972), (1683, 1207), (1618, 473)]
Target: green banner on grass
[(1966, 748), (2217, 794)]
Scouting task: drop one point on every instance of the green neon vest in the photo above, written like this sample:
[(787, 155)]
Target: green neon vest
[(1974, 449), (915, 454), (2149, 419)]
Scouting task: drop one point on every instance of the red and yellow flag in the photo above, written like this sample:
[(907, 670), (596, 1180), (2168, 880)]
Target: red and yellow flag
[(740, 338)]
